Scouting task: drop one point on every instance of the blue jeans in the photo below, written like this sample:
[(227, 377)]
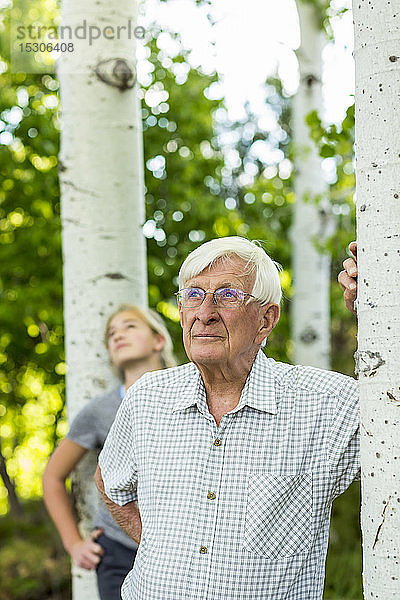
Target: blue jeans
[(116, 563)]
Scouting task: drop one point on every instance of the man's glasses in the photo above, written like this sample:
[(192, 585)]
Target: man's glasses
[(224, 297)]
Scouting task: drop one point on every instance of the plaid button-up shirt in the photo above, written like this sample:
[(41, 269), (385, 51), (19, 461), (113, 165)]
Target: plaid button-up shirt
[(240, 511)]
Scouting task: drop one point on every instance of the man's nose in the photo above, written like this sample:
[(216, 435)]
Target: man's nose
[(207, 311)]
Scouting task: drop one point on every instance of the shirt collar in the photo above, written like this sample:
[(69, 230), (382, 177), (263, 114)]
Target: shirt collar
[(258, 391), (193, 392)]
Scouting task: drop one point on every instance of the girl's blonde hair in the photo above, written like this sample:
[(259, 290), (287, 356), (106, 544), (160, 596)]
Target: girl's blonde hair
[(156, 324)]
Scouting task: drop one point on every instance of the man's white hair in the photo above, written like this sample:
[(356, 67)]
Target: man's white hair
[(267, 287)]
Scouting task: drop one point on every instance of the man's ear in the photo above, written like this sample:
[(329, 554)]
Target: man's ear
[(270, 317)]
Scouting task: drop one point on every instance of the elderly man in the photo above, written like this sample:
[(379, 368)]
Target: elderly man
[(234, 459)]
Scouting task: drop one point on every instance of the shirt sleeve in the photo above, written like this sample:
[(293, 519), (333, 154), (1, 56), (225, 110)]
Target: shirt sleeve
[(117, 459), (83, 429), (344, 443)]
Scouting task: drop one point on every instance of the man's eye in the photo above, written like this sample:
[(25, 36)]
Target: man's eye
[(193, 293), (228, 293)]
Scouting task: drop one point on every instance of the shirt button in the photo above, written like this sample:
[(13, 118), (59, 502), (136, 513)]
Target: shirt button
[(217, 442), (203, 550), (211, 496)]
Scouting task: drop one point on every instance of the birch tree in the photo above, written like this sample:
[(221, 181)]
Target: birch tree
[(102, 208), (311, 268), (377, 62)]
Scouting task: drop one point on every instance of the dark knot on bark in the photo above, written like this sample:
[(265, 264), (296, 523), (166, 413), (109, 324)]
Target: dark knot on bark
[(310, 80), (308, 336), (117, 72)]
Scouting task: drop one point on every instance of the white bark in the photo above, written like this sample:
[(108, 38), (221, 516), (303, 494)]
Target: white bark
[(101, 175), (377, 60), (311, 268)]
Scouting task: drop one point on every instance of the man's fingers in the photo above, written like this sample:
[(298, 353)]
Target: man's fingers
[(347, 282), (350, 266), (349, 299), (353, 248)]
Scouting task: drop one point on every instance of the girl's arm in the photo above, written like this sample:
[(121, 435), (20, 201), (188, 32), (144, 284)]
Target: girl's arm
[(85, 553)]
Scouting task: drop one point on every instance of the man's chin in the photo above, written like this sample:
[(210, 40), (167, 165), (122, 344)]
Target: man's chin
[(206, 356), (205, 348)]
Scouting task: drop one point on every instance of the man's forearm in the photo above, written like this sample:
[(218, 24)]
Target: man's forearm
[(127, 516)]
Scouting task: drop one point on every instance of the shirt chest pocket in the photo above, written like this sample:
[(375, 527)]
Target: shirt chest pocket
[(278, 514)]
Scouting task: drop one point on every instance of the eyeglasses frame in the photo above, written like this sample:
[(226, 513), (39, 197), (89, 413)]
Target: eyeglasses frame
[(213, 294)]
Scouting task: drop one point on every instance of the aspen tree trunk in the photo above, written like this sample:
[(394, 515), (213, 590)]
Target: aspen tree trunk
[(101, 175), (377, 61), (311, 269)]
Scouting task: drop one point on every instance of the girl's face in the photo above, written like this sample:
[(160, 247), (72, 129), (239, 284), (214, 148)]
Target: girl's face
[(131, 340)]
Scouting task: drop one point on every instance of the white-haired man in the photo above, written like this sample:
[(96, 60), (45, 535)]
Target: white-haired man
[(234, 459)]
